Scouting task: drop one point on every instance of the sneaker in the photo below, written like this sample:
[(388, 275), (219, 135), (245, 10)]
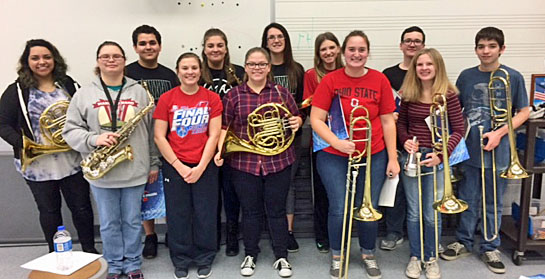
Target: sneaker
[(135, 274), (113, 276), (323, 247), (247, 267), (432, 269), (204, 271), (371, 266), (454, 251), (492, 259), (390, 242), (441, 249), (231, 241), (414, 268), (284, 268), (150, 246), (292, 243), (181, 273), (335, 268)]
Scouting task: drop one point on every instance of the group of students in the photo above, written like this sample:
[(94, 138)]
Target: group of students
[(204, 101)]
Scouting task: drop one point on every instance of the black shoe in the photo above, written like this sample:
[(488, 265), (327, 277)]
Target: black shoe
[(92, 250), (292, 243), (323, 246), (181, 273), (231, 248), (204, 271), (492, 259), (150, 246)]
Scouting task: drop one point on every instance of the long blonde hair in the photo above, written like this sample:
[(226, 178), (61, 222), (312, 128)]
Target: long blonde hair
[(412, 85)]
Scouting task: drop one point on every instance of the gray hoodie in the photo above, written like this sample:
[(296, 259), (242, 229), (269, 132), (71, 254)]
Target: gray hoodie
[(89, 116)]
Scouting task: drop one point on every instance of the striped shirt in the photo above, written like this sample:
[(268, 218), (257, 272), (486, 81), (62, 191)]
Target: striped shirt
[(411, 122), (238, 103)]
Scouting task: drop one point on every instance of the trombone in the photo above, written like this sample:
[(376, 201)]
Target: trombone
[(365, 212), (449, 204), (497, 86)]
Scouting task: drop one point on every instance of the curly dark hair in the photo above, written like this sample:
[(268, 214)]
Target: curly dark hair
[(26, 77)]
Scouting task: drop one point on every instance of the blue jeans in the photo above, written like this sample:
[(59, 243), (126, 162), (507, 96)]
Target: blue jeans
[(413, 208), (470, 190), (332, 169), (120, 226)]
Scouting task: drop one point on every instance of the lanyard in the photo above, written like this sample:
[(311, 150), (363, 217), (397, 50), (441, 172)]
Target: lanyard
[(113, 106)]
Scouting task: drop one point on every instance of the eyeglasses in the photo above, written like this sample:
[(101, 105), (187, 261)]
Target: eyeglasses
[(106, 57), (257, 65), (416, 42), (279, 37)]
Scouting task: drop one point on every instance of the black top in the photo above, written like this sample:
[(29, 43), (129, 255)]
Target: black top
[(159, 80), (219, 80), (396, 76), (280, 75), (12, 120)]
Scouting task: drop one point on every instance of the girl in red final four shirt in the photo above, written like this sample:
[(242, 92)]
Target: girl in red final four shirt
[(187, 127), (355, 85)]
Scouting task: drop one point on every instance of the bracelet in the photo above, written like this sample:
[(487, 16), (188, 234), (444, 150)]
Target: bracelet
[(172, 164)]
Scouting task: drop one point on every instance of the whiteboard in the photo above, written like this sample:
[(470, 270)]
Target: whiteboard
[(450, 27), (76, 28)]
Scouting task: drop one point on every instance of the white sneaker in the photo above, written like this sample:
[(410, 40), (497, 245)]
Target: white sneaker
[(414, 268), (284, 268), (432, 269), (248, 266)]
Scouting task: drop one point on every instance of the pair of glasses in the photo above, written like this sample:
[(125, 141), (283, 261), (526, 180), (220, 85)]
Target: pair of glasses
[(257, 65), (106, 57), (415, 42), (277, 37)]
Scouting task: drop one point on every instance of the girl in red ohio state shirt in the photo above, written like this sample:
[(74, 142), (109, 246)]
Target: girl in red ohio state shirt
[(354, 85), (187, 127)]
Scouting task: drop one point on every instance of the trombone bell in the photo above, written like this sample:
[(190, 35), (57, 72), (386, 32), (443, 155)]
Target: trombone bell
[(515, 171), (366, 213), (450, 205)]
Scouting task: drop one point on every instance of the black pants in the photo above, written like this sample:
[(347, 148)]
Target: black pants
[(321, 205), (191, 216), (75, 190), (263, 193)]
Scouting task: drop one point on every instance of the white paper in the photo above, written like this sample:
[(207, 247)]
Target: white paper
[(388, 192), (48, 263)]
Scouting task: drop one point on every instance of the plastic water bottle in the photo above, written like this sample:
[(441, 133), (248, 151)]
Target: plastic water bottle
[(63, 248)]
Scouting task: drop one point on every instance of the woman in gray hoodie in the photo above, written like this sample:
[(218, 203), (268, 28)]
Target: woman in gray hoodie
[(96, 112)]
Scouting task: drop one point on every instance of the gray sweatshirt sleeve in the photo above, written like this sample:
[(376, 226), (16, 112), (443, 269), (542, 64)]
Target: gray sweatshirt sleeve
[(76, 131)]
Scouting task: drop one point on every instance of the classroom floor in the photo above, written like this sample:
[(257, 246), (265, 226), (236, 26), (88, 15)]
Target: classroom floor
[(307, 263)]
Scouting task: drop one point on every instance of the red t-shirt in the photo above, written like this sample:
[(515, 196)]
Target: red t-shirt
[(188, 117), (372, 90)]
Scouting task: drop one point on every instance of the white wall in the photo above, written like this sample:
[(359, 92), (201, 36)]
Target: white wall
[(450, 27), (76, 28)]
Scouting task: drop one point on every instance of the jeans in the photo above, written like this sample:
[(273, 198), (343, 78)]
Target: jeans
[(394, 217), (333, 169), (290, 200), (75, 190), (120, 226), (470, 190), (191, 216), (263, 193), (413, 208), (321, 205), (231, 203)]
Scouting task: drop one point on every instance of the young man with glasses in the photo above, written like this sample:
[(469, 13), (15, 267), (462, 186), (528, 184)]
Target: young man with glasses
[(147, 44), (412, 40)]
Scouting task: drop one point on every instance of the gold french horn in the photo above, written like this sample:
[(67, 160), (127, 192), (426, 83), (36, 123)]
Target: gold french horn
[(52, 122)]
